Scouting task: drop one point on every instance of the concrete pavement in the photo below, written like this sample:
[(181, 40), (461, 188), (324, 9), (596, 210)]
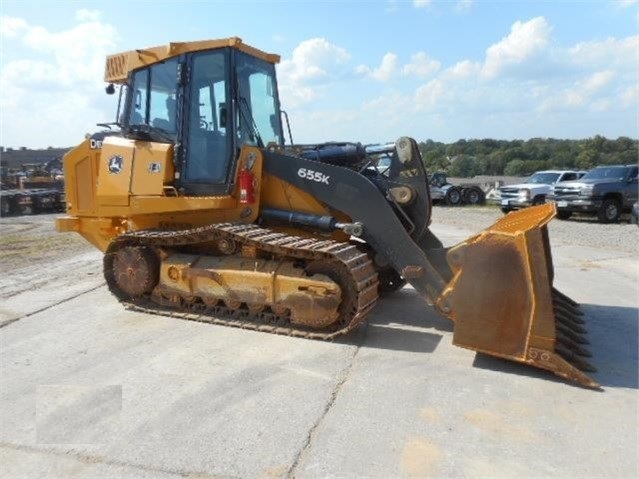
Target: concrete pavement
[(88, 389)]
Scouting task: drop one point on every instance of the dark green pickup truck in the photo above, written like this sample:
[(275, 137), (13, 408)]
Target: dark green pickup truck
[(605, 191)]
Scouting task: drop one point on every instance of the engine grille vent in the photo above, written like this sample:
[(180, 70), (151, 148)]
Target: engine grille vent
[(115, 68)]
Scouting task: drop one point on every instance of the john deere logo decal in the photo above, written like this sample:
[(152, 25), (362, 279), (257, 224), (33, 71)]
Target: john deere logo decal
[(115, 164)]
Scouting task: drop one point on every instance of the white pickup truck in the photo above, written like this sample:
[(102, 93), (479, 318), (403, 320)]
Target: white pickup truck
[(534, 190)]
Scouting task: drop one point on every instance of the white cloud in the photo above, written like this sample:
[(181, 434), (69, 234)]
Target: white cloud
[(391, 6), (572, 98), (463, 6), (421, 65), (601, 105), (527, 85), (11, 26), (463, 69), (607, 80), (526, 80), (429, 95), (596, 81), (629, 97), (313, 62), (70, 57), (590, 92), (459, 6), (88, 15), (385, 116), (29, 73), (626, 3), (582, 93), (381, 119), (617, 52), (314, 59), (384, 72), (524, 41), (60, 83)]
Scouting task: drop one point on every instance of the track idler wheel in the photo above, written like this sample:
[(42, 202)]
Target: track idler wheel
[(341, 276), (131, 271)]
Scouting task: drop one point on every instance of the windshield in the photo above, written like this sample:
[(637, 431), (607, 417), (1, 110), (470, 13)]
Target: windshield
[(612, 173), (258, 109), (152, 99), (543, 178)]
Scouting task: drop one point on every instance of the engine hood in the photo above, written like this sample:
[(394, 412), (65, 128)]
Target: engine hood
[(581, 183), (527, 186)]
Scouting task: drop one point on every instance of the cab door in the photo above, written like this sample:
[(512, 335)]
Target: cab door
[(207, 146)]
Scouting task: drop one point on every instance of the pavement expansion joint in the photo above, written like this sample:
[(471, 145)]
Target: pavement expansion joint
[(98, 459), (308, 442), (62, 301)]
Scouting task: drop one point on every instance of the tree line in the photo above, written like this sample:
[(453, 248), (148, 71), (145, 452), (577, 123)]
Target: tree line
[(468, 158)]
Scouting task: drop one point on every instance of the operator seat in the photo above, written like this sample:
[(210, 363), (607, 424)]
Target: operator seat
[(208, 154), (167, 124)]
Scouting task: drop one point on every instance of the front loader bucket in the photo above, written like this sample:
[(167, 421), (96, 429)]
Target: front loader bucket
[(502, 301)]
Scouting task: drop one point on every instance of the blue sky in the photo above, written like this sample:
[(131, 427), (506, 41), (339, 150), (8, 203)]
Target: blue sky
[(365, 71)]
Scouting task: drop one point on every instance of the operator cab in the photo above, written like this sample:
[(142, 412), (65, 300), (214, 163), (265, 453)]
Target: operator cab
[(208, 103)]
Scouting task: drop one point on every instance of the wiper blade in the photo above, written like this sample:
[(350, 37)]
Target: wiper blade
[(146, 132), (247, 116), (108, 125)]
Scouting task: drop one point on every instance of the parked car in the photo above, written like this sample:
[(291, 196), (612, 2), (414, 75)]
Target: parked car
[(634, 214), (535, 189), (605, 191)]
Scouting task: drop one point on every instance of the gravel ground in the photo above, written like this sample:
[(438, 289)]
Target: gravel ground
[(578, 231), (43, 267), (31, 242)]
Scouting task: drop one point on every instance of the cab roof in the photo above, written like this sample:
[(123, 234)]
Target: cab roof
[(119, 65)]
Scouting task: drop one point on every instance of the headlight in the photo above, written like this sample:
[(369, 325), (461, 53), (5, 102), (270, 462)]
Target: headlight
[(587, 190), (524, 194)]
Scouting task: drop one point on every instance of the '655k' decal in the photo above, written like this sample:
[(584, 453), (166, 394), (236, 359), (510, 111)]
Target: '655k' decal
[(313, 175)]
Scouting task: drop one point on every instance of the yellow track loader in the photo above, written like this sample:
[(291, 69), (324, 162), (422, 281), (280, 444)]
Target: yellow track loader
[(205, 212)]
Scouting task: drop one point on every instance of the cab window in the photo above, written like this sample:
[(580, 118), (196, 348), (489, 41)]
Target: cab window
[(152, 100), (258, 105), (208, 147)]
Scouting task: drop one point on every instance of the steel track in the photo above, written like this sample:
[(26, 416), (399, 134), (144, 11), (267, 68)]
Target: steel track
[(358, 278)]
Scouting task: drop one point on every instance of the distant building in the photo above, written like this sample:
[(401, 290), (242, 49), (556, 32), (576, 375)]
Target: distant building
[(15, 158)]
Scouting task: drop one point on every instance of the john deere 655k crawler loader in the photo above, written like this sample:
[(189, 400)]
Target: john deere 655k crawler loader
[(204, 211)]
